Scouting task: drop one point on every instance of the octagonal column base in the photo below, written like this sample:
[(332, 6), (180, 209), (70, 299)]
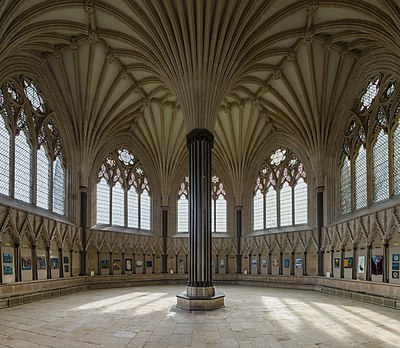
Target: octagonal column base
[(200, 299)]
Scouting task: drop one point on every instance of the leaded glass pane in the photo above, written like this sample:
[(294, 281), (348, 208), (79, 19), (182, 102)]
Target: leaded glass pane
[(258, 211), (133, 208), (145, 210), (286, 205), (4, 158), (43, 179), (396, 145), (380, 167), (183, 214), (270, 208), (103, 202), (220, 214), (369, 95), (345, 187), (117, 215), (360, 178), (300, 202), (23, 175), (58, 187)]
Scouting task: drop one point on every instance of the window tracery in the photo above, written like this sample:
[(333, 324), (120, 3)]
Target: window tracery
[(123, 192), (371, 146), (31, 162), (280, 196)]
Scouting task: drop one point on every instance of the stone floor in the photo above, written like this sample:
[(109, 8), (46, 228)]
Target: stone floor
[(147, 317)]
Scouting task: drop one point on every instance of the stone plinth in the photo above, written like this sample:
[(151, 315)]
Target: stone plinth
[(200, 303)]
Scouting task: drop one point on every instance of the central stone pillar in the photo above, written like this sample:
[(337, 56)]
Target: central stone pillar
[(200, 293)]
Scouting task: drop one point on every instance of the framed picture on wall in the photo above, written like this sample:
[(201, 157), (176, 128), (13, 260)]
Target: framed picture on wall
[(66, 268), (361, 264), (66, 260), (348, 262), (299, 263), (275, 262), (117, 265), (395, 266), (253, 263), (104, 263), (264, 263), (41, 262), (26, 263), (54, 262), (395, 274), (377, 264), (7, 258), (286, 263), (337, 262), (395, 257), (139, 263), (128, 265), (8, 269), (149, 263)]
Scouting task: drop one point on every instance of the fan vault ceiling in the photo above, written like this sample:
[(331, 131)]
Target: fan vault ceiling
[(155, 69)]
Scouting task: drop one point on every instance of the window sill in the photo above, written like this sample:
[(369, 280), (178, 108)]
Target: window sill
[(371, 209), (29, 208), (129, 230), (286, 229), (214, 235)]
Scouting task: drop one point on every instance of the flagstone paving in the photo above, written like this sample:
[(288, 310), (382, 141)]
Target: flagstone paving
[(147, 317)]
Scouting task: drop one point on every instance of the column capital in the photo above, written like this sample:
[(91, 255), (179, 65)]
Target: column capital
[(200, 134), (319, 189)]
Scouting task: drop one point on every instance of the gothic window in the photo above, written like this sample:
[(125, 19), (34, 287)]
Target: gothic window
[(396, 145), (118, 205), (23, 164), (258, 207), (280, 195), (270, 217), (30, 138), (183, 207), (286, 205), (133, 212), (360, 178), (369, 140), (43, 179), (345, 186), (380, 170), (4, 152), (123, 192), (300, 202), (218, 205), (58, 186), (103, 202)]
